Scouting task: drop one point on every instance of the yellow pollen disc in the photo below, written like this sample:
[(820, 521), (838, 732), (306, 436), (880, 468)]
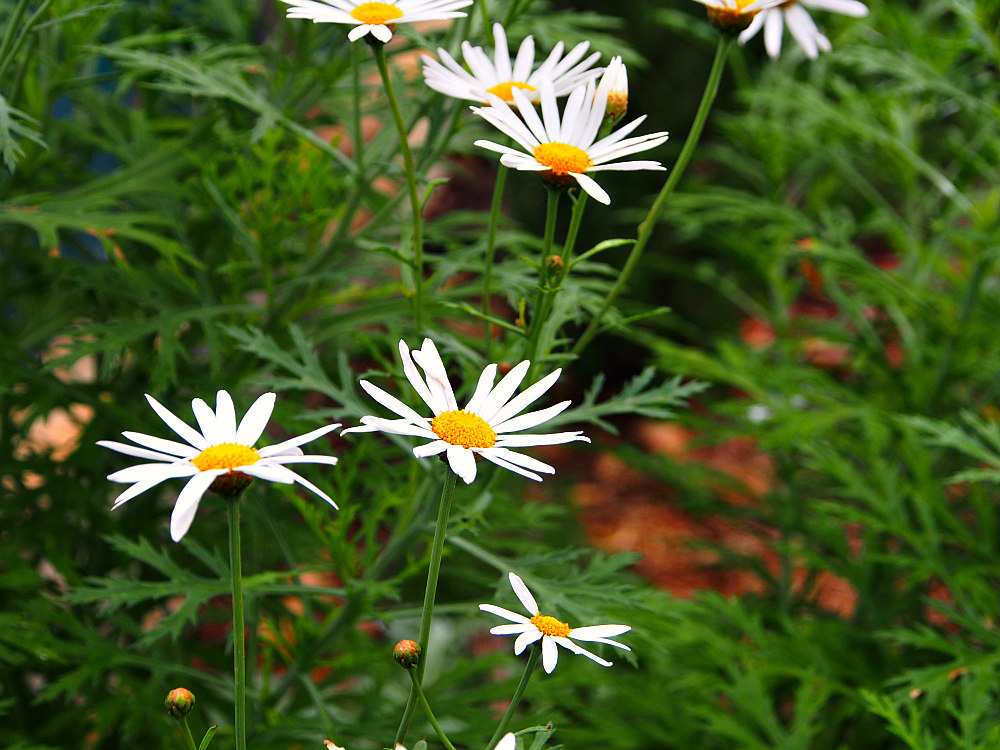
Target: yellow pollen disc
[(376, 13), (550, 626), (505, 90), (463, 428), (225, 456), (561, 158)]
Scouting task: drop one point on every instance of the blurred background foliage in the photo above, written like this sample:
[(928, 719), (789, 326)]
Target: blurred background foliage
[(808, 552)]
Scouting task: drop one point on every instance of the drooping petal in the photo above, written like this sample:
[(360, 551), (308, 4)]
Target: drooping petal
[(570, 646), (591, 188), (431, 449), (774, 26), (550, 654), (519, 459), (526, 639), (491, 456), (462, 462), (187, 502)]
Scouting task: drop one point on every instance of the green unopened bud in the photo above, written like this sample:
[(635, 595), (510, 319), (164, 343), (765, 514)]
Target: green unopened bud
[(407, 653), (554, 262), (179, 702)]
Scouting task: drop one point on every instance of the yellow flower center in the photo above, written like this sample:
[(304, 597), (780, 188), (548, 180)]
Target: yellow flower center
[(225, 456), (463, 428), (505, 90), (550, 626), (561, 158), (376, 13)]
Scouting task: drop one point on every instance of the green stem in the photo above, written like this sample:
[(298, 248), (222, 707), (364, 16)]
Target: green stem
[(239, 629), (536, 651), (411, 183), (486, 18), (491, 246), (430, 592), (537, 319), (649, 223), (427, 709), (188, 737)]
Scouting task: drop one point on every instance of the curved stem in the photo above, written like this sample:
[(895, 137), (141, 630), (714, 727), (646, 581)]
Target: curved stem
[(491, 246), (239, 630), (536, 651), (186, 731), (427, 709), (411, 183), (649, 223), (430, 592), (537, 318)]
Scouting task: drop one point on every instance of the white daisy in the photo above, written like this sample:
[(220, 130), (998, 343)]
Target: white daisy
[(482, 429), (550, 630), (564, 148), (221, 457), (499, 76), (794, 14), (375, 18)]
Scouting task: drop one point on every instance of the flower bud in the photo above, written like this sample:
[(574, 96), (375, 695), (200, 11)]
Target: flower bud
[(731, 20), (618, 96), (554, 262), (406, 653), (179, 702)]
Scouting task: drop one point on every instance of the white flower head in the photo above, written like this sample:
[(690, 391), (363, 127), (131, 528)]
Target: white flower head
[(483, 429), (499, 76), (375, 18), (565, 148), (551, 631), (800, 24), (220, 457)]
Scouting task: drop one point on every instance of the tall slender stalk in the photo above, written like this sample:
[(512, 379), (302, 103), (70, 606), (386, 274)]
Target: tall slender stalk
[(188, 737), (536, 651), (491, 246), (239, 630), (411, 183), (537, 319), (430, 593), (645, 229), (427, 710)]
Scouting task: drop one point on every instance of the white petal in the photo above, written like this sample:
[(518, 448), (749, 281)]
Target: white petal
[(358, 31), (148, 472), (526, 639), (531, 419), (437, 377), (803, 29), (524, 60), (225, 416), (592, 189), (501, 54), (273, 450), (493, 458), (187, 502), (846, 7), (519, 459), (515, 628), (259, 469), (524, 399), (570, 646), (255, 420), (419, 385), (504, 390), (504, 613), (592, 632), (206, 420), (430, 449), (507, 742), (389, 401), (528, 439), (550, 654), (774, 26), (462, 462), (483, 388), (131, 450), (753, 29), (178, 425), (165, 446), (303, 459), (522, 593), (139, 487), (394, 427), (381, 32)]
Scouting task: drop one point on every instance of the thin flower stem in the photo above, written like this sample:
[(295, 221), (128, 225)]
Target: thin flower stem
[(239, 630), (486, 17), (491, 246), (427, 709), (537, 318), (188, 737), (411, 182), (536, 651), (430, 592), (645, 229)]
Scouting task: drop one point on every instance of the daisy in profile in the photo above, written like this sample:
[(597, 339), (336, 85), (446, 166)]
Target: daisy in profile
[(565, 148), (220, 457), (483, 429), (499, 75), (793, 14), (375, 18), (551, 631), (732, 16)]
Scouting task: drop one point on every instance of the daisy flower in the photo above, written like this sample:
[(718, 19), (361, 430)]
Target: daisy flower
[(375, 18), (499, 76), (800, 23), (550, 630), (731, 16), (483, 429), (564, 148), (221, 457)]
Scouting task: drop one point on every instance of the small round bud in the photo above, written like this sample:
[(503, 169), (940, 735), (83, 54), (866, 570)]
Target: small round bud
[(407, 653), (179, 702), (554, 262)]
